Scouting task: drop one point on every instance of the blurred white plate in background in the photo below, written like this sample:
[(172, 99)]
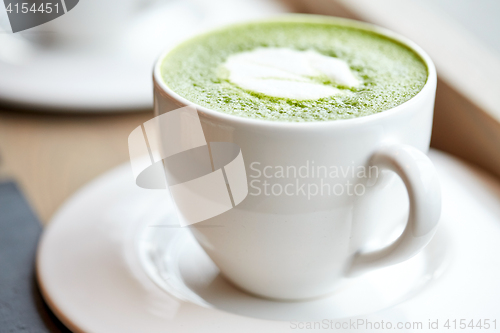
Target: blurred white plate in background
[(115, 78)]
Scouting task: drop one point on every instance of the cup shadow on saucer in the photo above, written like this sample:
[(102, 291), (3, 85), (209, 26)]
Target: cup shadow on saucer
[(176, 263)]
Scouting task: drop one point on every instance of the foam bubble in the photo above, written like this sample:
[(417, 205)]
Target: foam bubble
[(289, 73)]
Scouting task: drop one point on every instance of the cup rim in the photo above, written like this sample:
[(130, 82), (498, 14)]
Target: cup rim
[(275, 124)]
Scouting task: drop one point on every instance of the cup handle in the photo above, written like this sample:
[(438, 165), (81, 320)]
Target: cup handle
[(421, 181)]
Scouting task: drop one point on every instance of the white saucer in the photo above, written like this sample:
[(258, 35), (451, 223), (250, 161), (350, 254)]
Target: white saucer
[(110, 262), (117, 77), (175, 261)]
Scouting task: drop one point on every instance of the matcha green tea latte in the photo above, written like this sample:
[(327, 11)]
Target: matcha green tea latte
[(294, 69)]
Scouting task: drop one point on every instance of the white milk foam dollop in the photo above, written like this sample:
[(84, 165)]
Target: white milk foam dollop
[(288, 73)]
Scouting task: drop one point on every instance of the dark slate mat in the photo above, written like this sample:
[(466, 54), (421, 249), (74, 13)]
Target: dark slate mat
[(21, 306)]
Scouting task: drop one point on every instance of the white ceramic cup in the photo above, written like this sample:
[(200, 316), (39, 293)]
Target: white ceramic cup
[(294, 247)]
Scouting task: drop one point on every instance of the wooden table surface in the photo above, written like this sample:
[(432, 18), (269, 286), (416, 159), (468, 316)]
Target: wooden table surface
[(52, 155)]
